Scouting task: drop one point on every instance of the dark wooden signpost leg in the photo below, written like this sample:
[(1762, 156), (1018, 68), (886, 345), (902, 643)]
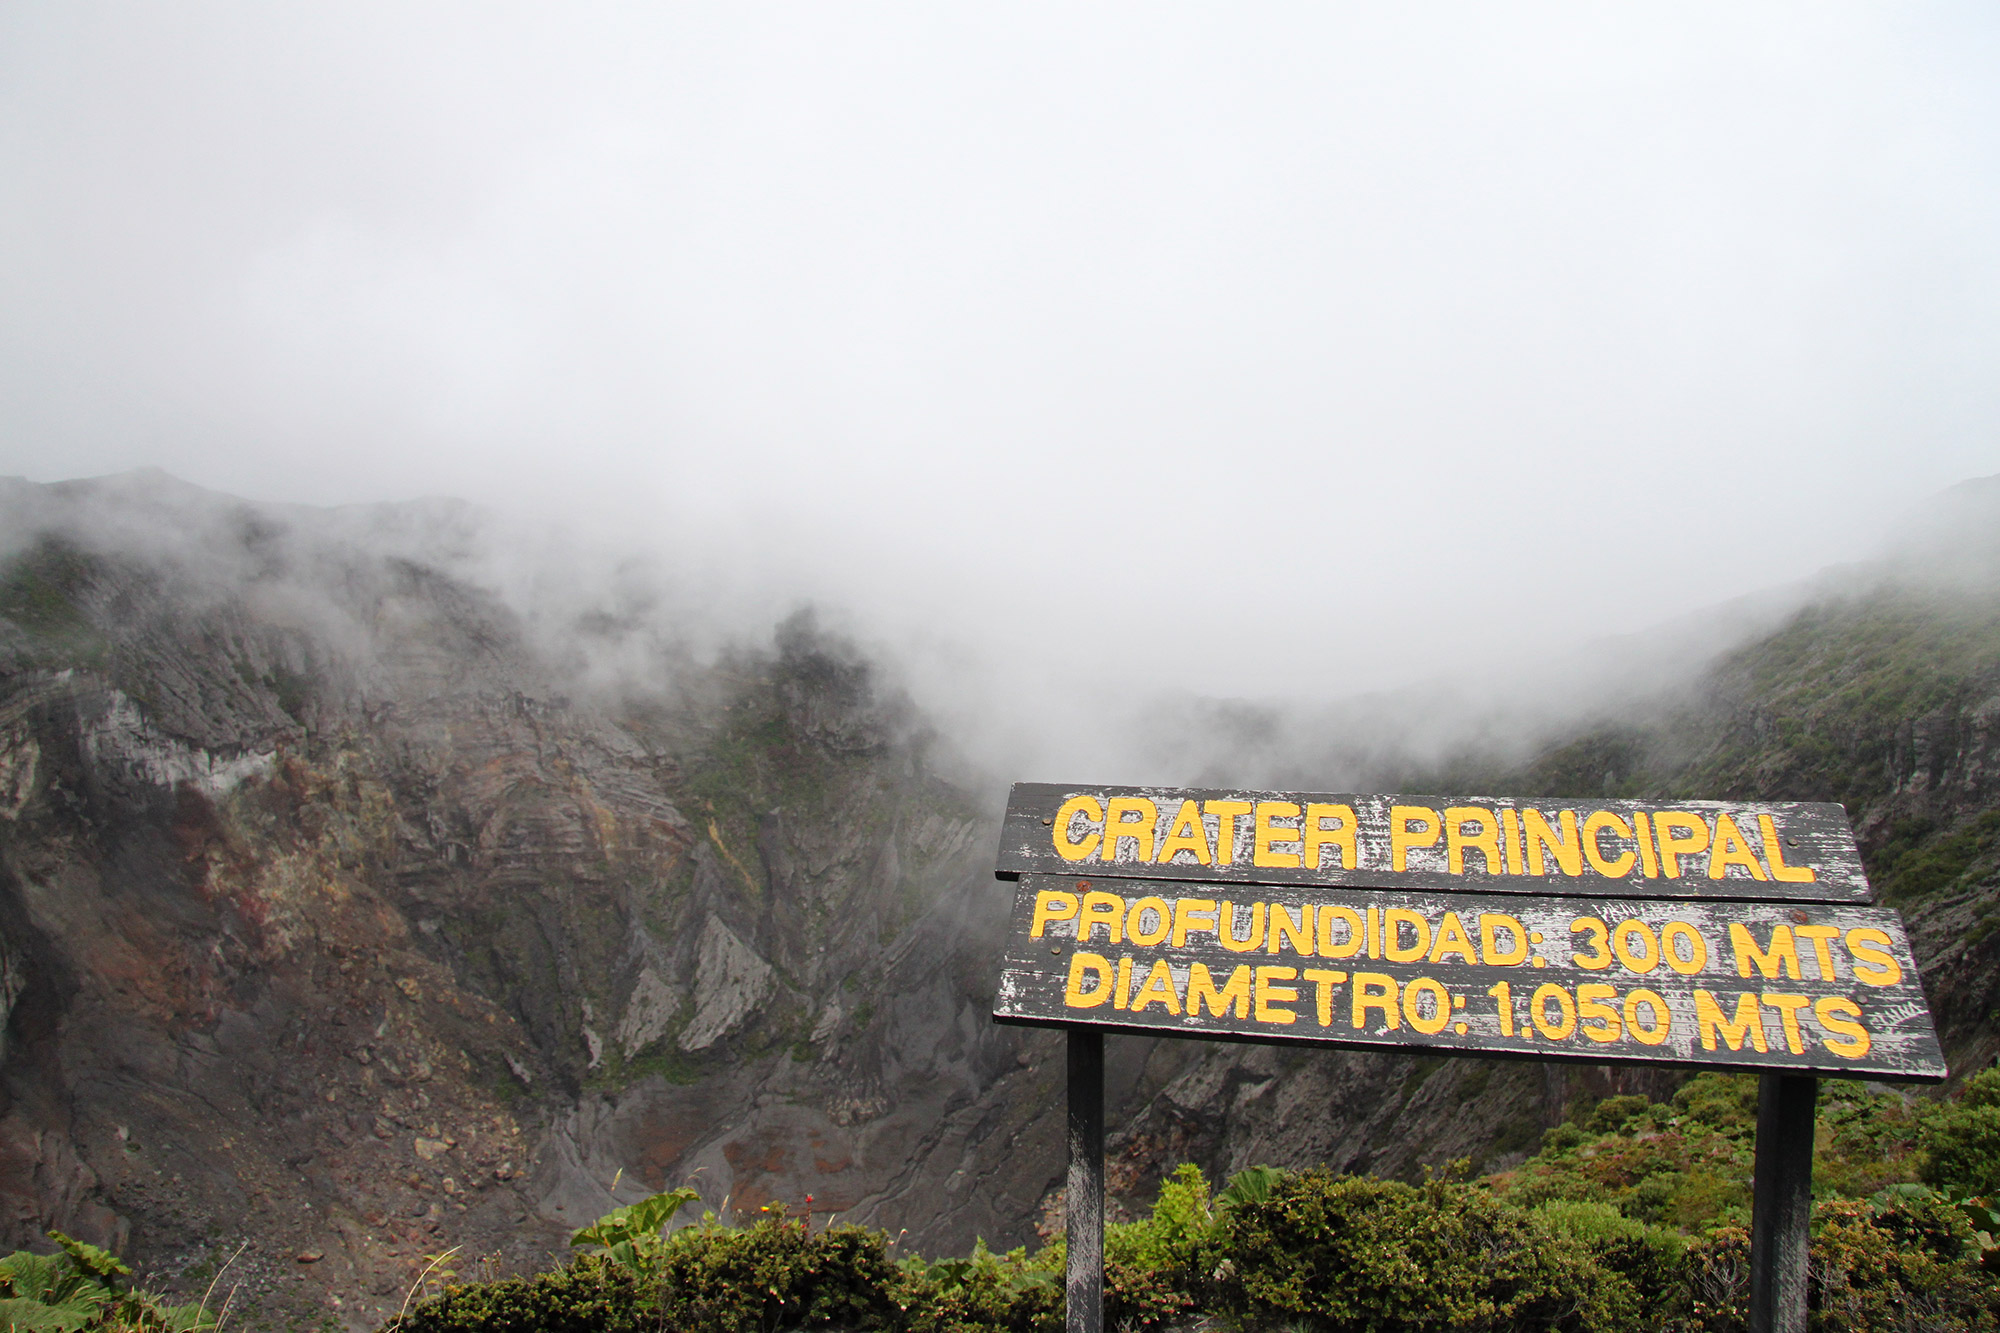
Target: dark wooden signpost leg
[(1781, 1203), (1084, 1203)]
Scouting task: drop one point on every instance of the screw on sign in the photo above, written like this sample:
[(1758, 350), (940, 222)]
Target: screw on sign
[(1699, 934)]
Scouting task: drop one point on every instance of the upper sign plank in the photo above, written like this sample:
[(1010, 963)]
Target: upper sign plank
[(1785, 851)]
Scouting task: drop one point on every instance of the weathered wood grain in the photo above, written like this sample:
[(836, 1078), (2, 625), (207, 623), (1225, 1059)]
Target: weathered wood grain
[(1781, 1204), (1704, 849), (1819, 988)]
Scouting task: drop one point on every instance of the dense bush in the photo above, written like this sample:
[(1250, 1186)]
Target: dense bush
[(1632, 1217), (83, 1289), (1894, 1264), (1961, 1139), (1354, 1253), (777, 1274), (988, 1293), (592, 1295)]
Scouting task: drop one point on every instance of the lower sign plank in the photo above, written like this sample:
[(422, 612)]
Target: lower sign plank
[(1769, 987)]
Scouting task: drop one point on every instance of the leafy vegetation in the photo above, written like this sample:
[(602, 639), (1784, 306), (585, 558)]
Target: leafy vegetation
[(42, 590), (1635, 1217), (1920, 857), (83, 1288)]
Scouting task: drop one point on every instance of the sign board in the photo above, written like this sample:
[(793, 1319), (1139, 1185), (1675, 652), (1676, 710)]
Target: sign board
[(1819, 988), (1784, 851), (1729, 935)]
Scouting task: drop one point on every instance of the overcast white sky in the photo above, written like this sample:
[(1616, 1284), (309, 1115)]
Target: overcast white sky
[(1238, 348)]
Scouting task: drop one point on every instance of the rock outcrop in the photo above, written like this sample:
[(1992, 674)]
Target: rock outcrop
[(329, 919)]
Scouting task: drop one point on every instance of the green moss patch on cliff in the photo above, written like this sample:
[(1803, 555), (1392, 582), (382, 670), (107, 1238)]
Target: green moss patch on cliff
[(42, 590)]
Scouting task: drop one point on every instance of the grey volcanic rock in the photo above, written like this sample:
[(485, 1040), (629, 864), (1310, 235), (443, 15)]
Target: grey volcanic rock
[(331, 919)]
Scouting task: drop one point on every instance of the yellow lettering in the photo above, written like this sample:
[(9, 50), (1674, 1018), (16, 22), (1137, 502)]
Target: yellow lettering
[(1158, 988), (1051, 906), (1323, 983), (1833, 1013), (1227, 928), (1347, 916), (1318, 837), (1201, 991), (1376, 990), (1642, 833), (1711, 1021), (1393, 947), (1775, 854), (1783, 955), (1226, 814), (1822, 938), (1604, 1025), (1593, 851), (1510, 823), (1099, 969), (1280, 926), (1268, 832), (1671, 935), (1270, 995), (1452, 939), (1404, 836), (1693, 837), (1068, 846), (1487, 839), (1124, 990), (1731, 848), (1632, 940), (1185, 834), (1567, 846), (1163, 922), (1101, 909), (1868, 945), (1788, 1007), (1595, 935), (1440, 1005), (1192, 914), (1490, 924), (1129, 818), (1655, 1029), (1564, 1023)]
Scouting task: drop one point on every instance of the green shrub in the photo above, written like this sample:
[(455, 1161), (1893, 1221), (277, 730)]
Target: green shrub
[(1571, 1242), (1152, 1268), (1961, 1138), (1895, 1265), (1725, 1102), (1354, 1253), (1651, 1258), (987, 1293), (1716, 1269), (81, 1287), (1616, 1113), (778, 1274), (592, 1295)]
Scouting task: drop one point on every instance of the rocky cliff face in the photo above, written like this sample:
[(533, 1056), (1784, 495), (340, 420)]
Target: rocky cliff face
[(329, 919), (343, 915)]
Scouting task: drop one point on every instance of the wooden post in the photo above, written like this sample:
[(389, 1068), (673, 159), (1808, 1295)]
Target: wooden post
[(1083, 1204), (1781, 1203)]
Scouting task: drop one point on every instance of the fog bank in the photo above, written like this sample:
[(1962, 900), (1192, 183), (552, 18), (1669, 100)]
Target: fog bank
[(1077, 357)]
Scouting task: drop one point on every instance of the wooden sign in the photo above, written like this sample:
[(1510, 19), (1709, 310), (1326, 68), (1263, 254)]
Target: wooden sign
[(1773, 988), (1727, 935), (1783, 851)]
